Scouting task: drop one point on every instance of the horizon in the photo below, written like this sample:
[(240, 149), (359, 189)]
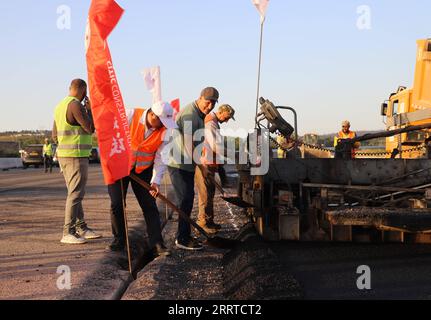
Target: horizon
[(222, 130)]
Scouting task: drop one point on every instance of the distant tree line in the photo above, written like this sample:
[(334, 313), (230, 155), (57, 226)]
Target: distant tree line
[(9, 149), (13, 141), (25, 132)]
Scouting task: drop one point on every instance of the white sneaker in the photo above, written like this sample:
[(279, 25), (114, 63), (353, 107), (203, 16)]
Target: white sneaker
[(192, 244), (72, 239), (89, 234)]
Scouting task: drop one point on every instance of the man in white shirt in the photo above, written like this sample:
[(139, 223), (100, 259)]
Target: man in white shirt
[(147, 131), (212, 160)]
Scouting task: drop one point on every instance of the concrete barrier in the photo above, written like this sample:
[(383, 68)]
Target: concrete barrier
[(10, 163)]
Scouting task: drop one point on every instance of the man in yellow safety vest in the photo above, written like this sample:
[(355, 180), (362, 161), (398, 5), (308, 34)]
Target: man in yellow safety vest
[(73, 128), (47, 156)]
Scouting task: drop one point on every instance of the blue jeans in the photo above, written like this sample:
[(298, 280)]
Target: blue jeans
[(184, 187)]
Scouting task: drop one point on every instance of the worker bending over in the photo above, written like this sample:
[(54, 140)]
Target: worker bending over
[(147, 130)]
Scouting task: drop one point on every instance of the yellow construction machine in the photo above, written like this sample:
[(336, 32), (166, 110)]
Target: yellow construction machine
[(411, 107)]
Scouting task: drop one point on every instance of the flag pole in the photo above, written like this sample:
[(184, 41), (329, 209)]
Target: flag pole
[(126, 228), (259, 67), (166, 205)]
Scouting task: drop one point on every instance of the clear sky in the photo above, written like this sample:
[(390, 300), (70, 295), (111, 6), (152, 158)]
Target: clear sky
[(315, 58)]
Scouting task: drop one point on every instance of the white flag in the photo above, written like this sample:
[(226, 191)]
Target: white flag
[(261, 6), (152, 82)]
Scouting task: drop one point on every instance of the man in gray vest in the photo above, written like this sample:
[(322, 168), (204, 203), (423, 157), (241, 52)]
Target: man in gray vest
[(182, 165)]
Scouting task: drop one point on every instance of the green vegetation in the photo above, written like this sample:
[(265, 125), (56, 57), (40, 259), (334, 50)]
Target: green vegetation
[(24, 138), (9, 149), (13, 141)]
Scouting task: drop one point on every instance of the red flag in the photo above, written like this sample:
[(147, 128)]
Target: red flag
[(107, 103), (176, 106)]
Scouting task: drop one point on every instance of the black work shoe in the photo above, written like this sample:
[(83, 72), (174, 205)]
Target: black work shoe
[(116, 245), (191, 244), (213, 225), (161, 250)]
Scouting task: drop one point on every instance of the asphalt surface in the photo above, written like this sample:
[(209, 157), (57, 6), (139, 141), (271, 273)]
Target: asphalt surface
[(329, 270), (187, 275), (31, 219)]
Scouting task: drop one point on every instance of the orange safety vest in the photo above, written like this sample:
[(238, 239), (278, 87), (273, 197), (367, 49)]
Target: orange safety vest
[(342, 135), (205, 153), (350, 135), (144, 150)]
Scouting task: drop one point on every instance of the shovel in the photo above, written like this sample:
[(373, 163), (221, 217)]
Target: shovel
[(214, 241), (235, 200)]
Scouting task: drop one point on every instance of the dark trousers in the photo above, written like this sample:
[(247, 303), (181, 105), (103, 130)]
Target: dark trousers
[(184, 187), (47, 162), (146, 202), (223, 175)]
